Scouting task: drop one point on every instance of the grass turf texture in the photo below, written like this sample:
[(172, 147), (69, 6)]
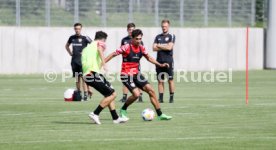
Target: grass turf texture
[(33, 115)]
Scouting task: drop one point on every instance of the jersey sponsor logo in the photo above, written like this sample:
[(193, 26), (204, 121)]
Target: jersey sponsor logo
[(77, 44)]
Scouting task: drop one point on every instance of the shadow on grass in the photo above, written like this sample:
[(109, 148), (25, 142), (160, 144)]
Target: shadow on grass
[(75, 122)]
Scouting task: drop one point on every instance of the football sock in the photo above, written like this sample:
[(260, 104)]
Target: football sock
[(124, 97), (140, 97), (161, 96), (159, 112), (171, 96), (98, 110), (114, 114), (125, 106)]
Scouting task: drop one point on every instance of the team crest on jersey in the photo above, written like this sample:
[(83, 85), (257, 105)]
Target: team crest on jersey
[(80, 40), (167, 39), (132, 84)]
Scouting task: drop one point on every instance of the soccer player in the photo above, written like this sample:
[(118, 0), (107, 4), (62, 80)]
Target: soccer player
[(131, 76), (127, 40), (92, 61), (78, 42), (163, 45)]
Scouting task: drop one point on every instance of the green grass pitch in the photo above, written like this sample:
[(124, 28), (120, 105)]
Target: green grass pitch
[(33, 115)]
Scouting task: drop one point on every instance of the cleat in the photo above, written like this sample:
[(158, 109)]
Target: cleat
[(164, 117), (94, 118), (120, 120), (123, 114)]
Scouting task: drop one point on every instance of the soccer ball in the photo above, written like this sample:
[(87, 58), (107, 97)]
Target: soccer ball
[(148, 114), (69, 95)]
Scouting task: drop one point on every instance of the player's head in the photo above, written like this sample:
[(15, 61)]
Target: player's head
[(77, 28), (130, 28), (165, 24), (137, 35), (101, 36)]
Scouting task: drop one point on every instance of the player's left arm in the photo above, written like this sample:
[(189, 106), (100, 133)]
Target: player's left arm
[(101, 49), (153, 61), (166, 47)]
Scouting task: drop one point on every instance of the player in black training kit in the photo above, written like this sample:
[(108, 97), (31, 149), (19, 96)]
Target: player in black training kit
[(78, 42), (127, 40), (163, 45)]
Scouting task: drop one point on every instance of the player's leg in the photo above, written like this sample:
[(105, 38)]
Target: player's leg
[(85, 90), (104, 102), (171, 87), (142, 83), (171, 82), (125, 91), (135, 95), (140, 99), (128, 81), (104, 87), (114, 115), (76, 75), (160, 78), (149, 89)]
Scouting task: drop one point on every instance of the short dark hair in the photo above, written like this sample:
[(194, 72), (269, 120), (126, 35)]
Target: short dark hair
[(130, 25), (77, 24), (136, 33), (165, 21), (100, 35)]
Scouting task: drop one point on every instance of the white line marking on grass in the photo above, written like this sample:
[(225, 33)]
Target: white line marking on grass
[(132, 139), (16, 114)]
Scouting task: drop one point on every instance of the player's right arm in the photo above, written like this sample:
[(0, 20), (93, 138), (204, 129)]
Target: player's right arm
[(154, 47), (67, 46), (116, 53)]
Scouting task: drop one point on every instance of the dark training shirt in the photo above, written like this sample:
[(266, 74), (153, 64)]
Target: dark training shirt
[(163, 55), (78, 44)]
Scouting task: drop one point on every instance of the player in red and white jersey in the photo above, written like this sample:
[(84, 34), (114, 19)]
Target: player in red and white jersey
[(131, 76)]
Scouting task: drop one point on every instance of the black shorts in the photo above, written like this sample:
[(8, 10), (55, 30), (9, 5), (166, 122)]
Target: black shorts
[(98, 82), (132, 82), (163, 71), (76, 69)]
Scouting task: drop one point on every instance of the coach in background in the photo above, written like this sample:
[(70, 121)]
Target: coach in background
[(79, 42), (163, 45)]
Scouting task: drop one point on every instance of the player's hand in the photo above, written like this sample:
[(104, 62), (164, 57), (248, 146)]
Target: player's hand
[(166, 65)]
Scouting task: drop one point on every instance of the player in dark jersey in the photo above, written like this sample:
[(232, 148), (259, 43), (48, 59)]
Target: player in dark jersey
[(163, 45), (131, 76), (127, 40), (78, 42)]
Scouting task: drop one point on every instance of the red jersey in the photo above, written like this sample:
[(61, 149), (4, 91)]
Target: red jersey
[(131, 58)]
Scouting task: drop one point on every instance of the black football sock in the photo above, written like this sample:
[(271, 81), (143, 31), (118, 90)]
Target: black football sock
[(159, 112), (140, 97), (161, 96), (171, 96), (125, 106), (114, 114), (98, 110), (124, 97)]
